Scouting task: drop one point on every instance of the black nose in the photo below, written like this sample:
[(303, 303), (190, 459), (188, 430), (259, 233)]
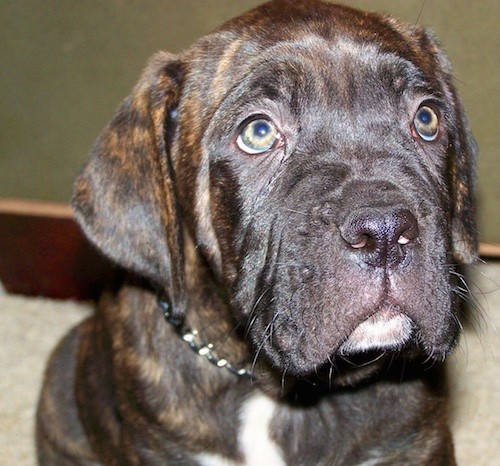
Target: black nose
[(380, 237)]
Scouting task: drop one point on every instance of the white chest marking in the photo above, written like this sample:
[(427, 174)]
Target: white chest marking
[(253, 438)]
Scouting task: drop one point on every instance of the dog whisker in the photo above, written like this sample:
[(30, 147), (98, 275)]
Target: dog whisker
[(253, 314), (429, 362), (267, 335), (219, 344), (476, 316), (478, 319), (485, 278), (331, 371), (262, 343), (211, 323), (283, 380), (422, 7), (458, 321), (294, 211), (368, 362)]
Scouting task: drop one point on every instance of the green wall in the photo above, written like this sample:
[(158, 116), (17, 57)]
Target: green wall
[(65, 66)]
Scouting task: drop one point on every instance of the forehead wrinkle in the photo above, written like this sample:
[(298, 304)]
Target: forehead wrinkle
[(311, 72), (298, 73), (314, 68), (226, 62)]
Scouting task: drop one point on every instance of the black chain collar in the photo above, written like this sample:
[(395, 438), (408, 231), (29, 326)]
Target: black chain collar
[(194, 341)]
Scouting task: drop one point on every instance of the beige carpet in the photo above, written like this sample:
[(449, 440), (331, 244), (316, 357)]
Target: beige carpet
[(31, 327)]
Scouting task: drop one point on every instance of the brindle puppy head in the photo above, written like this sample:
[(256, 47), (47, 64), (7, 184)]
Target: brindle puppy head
[(321, 161)]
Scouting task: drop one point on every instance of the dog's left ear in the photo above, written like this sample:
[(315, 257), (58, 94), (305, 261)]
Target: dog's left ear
[(463, 172), (462, 167), (124, 198)]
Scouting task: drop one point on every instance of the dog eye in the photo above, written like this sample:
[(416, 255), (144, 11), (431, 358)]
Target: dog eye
[(258, 136), (426, 123)]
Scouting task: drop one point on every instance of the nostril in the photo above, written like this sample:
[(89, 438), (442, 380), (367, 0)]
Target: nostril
[(403, 240), (380, 235), (405, 226), (361, 243), (365, 242)]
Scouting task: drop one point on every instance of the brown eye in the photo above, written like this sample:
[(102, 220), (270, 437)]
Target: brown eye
[(426, 123), (258, 136)]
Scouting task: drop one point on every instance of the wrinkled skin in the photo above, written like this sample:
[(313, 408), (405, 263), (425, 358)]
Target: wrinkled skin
[(345, 111), (325, 263)]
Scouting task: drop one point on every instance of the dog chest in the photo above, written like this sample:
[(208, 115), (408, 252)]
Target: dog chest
[(254, 440)]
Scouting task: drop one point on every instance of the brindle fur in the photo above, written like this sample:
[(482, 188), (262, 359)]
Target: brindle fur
[(248, 249)]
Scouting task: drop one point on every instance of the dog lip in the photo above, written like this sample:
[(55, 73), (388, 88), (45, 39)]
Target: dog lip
[(387, 328)]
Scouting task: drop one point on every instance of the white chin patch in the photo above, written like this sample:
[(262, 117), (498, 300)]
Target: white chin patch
[(386, 329)]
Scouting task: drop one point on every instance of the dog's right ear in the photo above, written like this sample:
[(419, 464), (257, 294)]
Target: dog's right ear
[(462, 169), (124, 198)]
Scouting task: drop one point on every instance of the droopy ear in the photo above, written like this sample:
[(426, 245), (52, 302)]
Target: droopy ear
[(463, 170), (464, 233), (124, 198)]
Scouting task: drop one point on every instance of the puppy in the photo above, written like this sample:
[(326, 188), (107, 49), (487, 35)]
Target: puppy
[(288, 201)]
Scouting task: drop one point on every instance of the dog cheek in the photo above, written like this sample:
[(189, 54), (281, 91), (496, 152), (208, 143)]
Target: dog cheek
[(219, 207), (425, 293), (312, 311)]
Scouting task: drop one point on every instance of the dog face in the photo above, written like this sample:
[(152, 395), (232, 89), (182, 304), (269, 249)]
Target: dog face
[(321, 161)]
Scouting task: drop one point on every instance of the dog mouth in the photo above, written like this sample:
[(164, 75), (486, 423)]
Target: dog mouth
[(386, 329)]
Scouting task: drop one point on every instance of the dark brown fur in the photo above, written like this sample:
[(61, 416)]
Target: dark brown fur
[(249, 250)]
